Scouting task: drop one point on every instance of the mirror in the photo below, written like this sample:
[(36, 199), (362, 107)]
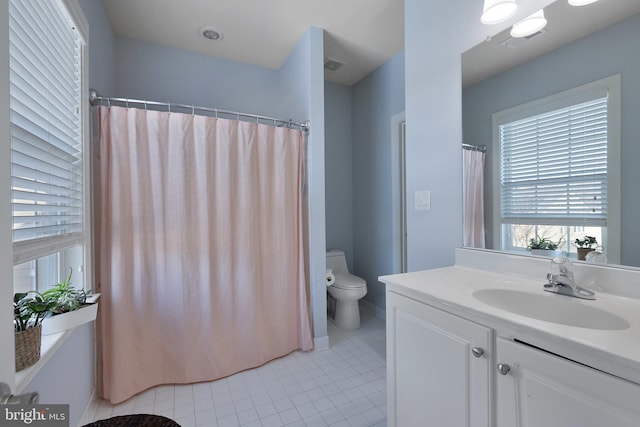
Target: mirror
[(579, 45)]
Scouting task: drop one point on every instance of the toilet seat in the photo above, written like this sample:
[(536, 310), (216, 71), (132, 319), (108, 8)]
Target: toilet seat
[(348, 281)]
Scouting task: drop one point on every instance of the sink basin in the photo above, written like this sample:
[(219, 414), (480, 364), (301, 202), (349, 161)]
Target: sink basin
[(552, 308)]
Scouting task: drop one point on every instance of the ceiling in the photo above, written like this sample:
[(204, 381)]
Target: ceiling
[(565, 24), (363, 34)]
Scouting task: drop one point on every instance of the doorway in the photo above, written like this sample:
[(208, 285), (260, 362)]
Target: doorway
[(399, 192)]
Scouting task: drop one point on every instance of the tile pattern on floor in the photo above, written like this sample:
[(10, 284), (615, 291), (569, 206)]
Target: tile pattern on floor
[(344, 386)]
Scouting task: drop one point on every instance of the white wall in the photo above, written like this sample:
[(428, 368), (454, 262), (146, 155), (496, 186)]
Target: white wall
[(436, 34), (69, 376), (7, 358)]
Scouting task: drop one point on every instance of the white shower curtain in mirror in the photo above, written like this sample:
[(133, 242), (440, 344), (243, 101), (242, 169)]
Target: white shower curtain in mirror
[(201, 247), (473, 198)]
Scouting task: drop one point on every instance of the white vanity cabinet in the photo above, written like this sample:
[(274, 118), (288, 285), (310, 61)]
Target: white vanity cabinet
[(545, 360), (442, 371), (438, 367), (537, 388)]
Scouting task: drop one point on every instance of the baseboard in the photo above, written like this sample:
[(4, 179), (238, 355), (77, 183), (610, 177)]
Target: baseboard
[(89, 412), (378, 312), (321, 344)]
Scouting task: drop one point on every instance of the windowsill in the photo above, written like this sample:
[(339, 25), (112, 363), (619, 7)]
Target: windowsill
[(50, 344)]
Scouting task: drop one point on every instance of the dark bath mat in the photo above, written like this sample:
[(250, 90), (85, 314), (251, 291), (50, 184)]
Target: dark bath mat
[(138, 420)]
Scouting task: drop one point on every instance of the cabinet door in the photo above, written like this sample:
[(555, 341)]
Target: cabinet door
[(433, 377), (542, 389)]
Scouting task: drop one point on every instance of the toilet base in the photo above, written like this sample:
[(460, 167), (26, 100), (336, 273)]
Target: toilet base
[(347, 314)]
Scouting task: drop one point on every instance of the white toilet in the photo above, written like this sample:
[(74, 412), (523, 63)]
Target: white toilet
[(347, 290)]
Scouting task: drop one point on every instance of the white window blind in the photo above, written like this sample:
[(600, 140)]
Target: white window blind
[(46, 125), (554, 167)]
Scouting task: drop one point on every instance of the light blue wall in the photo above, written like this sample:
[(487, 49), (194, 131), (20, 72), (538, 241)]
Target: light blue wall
[(293, 87), (338, 169), (102, 59), (376, 98), (69, 376), (607, 52), (159, 73), (301, 97), (436, 34), (314, 64)]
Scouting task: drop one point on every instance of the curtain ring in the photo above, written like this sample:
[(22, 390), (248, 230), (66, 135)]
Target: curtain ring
[(237, 116), (126, 102), (193, 110), (145, 105), (216, 110), (109, 102), (169, 106)]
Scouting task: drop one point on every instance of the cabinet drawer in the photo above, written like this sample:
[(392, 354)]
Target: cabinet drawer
[(543, 389)]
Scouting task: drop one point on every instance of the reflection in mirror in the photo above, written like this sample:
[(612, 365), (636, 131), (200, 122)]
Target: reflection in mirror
[(562, 152)]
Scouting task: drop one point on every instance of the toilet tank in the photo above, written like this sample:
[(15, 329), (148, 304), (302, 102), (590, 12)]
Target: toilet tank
[(336, 261)]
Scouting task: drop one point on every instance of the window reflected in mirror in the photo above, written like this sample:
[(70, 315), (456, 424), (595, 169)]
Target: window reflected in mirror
[(538, 190)]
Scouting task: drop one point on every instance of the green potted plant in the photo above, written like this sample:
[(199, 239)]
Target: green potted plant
[(70, 307), (29, 310), (65, 296), (585, 245), (543, 246)]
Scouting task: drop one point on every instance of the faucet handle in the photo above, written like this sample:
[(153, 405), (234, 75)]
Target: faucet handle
[(562, 266)]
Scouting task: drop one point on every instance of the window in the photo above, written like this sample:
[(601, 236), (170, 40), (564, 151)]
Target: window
[(42, 273), (48, 161), (554, 171)]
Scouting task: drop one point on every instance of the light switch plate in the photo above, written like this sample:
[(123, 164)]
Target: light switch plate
[(422, 200)]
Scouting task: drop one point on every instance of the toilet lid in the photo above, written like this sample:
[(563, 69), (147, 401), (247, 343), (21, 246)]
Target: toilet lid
[(348, 281)]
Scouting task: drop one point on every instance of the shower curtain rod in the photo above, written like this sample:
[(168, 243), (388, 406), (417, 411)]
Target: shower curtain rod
[(96, 99), (481, 148)]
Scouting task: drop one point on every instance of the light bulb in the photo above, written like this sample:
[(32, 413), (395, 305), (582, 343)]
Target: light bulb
[(581, 2), (496, 11), (529, 25)]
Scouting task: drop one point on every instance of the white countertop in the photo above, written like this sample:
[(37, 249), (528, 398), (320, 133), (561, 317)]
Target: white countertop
[(451, 289)]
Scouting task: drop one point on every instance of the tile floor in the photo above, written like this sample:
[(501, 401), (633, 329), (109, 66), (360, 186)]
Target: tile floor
[(344, 386)]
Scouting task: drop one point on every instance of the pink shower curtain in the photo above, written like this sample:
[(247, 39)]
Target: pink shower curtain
[(201, 248), (473, 198)]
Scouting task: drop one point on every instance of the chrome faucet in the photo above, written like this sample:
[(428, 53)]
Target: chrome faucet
[(561, 284), (561, 281)]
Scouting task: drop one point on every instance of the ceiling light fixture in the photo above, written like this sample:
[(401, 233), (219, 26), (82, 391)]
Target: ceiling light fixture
[(496, 11), (529, 25), (210, 33), (581, 2)]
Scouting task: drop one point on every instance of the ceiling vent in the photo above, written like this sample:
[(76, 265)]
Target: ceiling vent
[(513, 42), (332, 64)]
